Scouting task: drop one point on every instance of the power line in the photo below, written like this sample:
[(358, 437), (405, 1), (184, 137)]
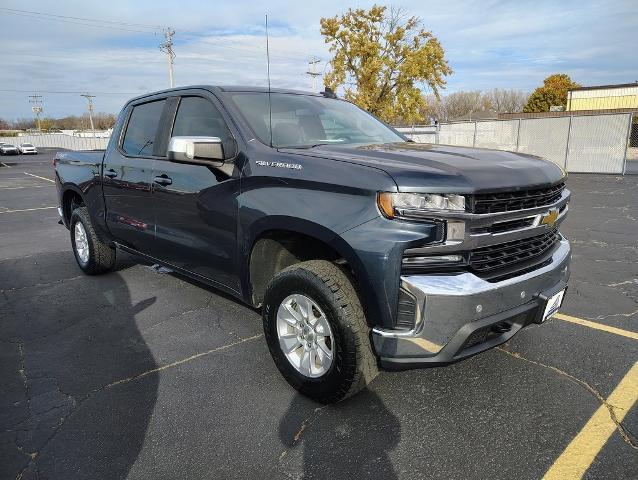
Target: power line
[(92, 25), (111, 22), (108, 24)]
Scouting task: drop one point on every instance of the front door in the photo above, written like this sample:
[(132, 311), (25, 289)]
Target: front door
[(195, 205), (127, 177)]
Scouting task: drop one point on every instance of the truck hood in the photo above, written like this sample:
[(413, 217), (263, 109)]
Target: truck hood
[(420, 167)]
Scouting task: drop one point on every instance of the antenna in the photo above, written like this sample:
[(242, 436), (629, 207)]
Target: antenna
[(268, 70)]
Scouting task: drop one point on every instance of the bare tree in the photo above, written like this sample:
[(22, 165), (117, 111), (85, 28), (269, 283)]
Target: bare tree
[(507, 101), (23, 123), (464, 105), (459, 105)]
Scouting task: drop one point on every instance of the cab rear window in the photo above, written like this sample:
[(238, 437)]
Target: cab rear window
[(142, 128)]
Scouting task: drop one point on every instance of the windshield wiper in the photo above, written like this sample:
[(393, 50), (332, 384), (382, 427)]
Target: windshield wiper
[(305, 147)]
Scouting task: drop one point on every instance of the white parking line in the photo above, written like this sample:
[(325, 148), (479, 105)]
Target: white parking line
[(38, 176), (27, 210), (31, 186), (8, 166)]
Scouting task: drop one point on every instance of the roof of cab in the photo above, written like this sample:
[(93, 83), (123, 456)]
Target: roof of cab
[(226, 88)]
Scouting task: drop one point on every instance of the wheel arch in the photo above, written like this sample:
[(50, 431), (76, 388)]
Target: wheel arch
[(72, 198), (274, 243)]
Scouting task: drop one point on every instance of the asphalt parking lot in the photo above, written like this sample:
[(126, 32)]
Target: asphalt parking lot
[(144, 375)]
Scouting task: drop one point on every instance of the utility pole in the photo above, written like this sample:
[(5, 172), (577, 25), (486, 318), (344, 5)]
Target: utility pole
[(36, 108), (90, 99), (167, 47), (313, 74)]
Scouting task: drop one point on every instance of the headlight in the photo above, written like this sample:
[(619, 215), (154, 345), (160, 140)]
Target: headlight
[(418, 205)]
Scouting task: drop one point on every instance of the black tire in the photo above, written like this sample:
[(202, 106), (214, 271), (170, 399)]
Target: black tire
[(101, 258), (354, 363)]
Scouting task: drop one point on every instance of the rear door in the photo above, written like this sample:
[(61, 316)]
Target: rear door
[(128, 175), (196, 205)]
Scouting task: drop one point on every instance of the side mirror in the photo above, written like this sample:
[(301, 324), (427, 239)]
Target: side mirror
[(198, 150)]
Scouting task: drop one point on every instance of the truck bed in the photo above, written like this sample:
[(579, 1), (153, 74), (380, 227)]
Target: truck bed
[(85, 157)]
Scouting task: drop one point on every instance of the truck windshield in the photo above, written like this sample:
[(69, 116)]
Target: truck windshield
[(305, 121)]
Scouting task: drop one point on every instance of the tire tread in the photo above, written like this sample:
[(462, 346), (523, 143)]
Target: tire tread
[(360, 361), (101, 255)]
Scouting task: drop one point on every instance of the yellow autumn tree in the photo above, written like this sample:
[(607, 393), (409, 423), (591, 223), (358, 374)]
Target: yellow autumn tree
[(552, 93), (381, 57)]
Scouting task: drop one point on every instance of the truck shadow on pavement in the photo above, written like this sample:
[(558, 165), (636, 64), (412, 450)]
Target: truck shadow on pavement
[(62, 345), (350, 439)]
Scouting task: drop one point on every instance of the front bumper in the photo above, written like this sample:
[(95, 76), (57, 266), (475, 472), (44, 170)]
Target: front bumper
[(461, 314)]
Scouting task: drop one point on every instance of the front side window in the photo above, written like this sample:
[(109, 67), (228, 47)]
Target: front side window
[(142, 127), (303, 121), (197, 116)]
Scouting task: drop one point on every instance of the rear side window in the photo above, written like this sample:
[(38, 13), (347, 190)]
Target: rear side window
[(142, 127), (197, 116)]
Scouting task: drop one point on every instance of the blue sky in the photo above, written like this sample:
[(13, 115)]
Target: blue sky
[(489, 44)]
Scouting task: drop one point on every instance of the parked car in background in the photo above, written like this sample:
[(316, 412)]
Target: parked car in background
[(27, 149), (8, 149)]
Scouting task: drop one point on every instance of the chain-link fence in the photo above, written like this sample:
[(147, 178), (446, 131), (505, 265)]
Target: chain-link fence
[(59, 140), (420, 133), (501, 135), (545, 137), (606, 143), (457, 134), (632, 149)]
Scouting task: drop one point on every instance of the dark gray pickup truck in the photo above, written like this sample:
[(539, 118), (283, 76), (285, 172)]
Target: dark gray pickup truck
[(363, 249)]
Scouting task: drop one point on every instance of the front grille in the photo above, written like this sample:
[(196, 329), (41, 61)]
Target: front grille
[(507, 226), (495, 257), (511, 201)]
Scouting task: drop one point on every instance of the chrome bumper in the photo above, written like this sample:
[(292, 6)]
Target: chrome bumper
[(452, 309)]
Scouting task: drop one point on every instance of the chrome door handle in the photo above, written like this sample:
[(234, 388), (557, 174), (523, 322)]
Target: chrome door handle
[(163, 180)]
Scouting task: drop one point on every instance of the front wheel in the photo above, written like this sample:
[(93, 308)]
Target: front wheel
[(317, 333), (93, 255)]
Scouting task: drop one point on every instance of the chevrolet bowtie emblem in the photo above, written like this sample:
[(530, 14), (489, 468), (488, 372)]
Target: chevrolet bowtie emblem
[(550, 217)]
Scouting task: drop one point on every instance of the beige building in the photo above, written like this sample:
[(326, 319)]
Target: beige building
[(604, 97)]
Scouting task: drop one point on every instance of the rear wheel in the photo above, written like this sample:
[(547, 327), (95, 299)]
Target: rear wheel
[(317, 333), (93, 255)]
